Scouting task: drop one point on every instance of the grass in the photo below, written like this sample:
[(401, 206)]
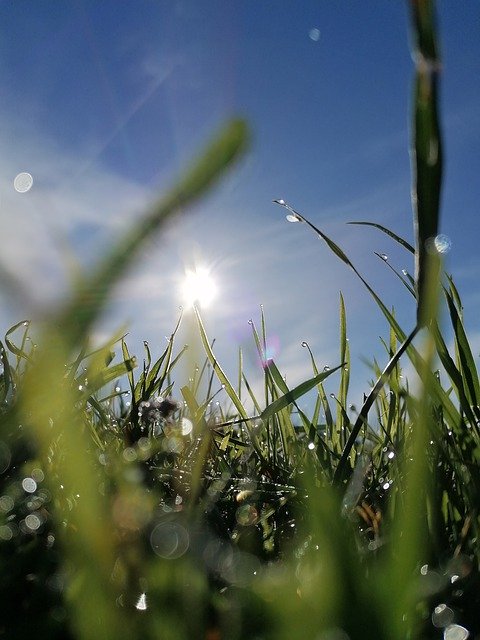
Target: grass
[(124, 514)]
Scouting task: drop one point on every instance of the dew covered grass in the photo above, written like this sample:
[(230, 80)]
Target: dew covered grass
[(132, 506)]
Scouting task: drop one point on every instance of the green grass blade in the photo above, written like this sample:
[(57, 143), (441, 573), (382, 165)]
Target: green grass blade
[(468, 367), (426, 143), (226, 382), (360, 422), (292, 396), (6, 378), (388, 232)]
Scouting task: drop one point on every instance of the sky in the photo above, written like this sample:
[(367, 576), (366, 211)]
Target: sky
[(104, 103)]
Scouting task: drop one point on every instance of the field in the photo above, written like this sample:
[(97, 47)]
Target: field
[(128, 513)]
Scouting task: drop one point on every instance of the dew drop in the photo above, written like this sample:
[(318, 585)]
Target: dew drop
[(326, 368), (292, 218), (32, 522), (6, 504), (405, 272), (23, 182), (141, 602), (6, 532), (455, 632), (186, 426), (29, 485), (169, 540), (442, 616), (442, 243), (384, 256), (304, 344), (332, 395), (314, 34), (311, 446)]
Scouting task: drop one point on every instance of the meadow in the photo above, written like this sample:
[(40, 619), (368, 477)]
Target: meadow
[(130, 508)]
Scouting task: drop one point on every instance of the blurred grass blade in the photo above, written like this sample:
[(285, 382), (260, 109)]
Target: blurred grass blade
[(426, 143), (6, 375), (11, 346), (103, 376), (78, 315)]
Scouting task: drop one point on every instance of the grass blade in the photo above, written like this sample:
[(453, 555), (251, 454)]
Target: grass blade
[(390, 233), (426, 143)]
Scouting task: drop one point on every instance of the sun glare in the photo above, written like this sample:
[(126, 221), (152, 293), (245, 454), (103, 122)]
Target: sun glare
[(198, 287)]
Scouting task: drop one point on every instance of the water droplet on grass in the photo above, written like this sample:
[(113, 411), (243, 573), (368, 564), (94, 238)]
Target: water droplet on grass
[(141, 602), (384, 257), (32, 522), (6, 504), (29, 485), (443, 244), (187, 426), (455, 632), (292, 218), (23, 182), (442, 616), (440, 244), (6, 532), (169, 540)]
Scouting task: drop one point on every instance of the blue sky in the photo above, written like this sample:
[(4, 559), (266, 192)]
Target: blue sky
[(104, 103)]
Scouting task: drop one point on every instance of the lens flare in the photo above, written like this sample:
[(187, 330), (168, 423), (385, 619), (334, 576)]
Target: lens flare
[(198, 287)]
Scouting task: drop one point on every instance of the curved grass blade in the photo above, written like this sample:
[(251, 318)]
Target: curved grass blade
[(6, 377), (390, 233), (405, 283), (11, 346)]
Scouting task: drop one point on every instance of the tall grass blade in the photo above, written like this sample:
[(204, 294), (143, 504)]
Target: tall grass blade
[(426, 143)]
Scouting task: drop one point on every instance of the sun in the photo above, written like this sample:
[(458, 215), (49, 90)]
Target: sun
[(198, 288)]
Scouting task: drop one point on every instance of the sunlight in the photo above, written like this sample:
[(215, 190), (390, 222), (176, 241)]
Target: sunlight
[(198, 287)]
